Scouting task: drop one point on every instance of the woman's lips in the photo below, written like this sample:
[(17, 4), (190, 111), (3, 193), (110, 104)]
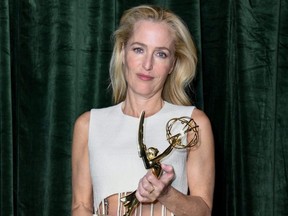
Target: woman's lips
[(144, 77)]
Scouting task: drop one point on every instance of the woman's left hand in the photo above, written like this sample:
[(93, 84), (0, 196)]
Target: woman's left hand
[(150, 187)]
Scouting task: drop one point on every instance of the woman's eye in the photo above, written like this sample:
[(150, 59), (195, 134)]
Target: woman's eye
[(162, 54), (138, 50)]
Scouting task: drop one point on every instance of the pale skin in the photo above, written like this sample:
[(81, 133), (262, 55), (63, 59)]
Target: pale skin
[(148, 58)]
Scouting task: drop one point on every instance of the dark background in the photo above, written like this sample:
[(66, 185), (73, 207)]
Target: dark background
[(54, 58)]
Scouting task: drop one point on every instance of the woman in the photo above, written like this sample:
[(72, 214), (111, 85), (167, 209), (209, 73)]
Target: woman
[(153, 60)]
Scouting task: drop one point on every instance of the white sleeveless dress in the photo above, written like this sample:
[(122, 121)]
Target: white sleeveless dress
[(115, 166)]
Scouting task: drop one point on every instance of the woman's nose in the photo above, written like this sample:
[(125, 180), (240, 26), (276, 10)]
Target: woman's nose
[(148, 62)]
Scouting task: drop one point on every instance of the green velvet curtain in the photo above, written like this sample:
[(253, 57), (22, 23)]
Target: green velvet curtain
[(245, 76), (54, 58)]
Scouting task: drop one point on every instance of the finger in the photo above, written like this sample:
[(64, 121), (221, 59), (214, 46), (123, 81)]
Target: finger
[(149, 187), (145, 196), (153, 189), (145, 186), (167, 168), (168, 174)]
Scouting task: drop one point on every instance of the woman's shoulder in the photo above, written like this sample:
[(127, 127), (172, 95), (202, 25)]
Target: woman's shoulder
[(201, 118), (82, 121)]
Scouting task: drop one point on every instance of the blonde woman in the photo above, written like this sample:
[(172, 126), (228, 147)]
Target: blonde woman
[(154, 59)]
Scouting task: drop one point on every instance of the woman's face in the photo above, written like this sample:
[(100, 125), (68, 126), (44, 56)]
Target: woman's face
[(148, 58)]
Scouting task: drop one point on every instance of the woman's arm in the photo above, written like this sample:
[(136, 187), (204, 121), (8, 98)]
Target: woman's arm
[(200, 173), (82, 204)]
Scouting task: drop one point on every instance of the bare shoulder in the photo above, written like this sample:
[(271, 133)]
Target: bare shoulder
[(201, 118), (82, 122), (81, 130), (205, 129)]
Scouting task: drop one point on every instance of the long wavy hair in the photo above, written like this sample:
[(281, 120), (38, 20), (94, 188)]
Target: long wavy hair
[(185, 54)]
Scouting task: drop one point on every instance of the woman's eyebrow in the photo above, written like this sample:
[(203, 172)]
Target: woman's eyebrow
[(157, 48)]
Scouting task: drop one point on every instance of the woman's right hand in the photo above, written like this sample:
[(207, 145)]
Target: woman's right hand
[(150, 187)]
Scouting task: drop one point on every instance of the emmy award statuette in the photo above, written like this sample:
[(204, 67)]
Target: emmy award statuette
[(150, 156)]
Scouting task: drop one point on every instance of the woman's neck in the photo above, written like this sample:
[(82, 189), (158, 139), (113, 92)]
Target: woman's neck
[(135, 107)]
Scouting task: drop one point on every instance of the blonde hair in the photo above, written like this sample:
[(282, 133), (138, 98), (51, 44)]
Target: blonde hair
[(185, 54)]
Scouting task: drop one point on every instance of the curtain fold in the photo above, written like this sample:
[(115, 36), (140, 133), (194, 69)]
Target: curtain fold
[(244, 46), (280, 115), (6, 121), (258, 109), (54, 61), (64, 52), (44, 91)]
